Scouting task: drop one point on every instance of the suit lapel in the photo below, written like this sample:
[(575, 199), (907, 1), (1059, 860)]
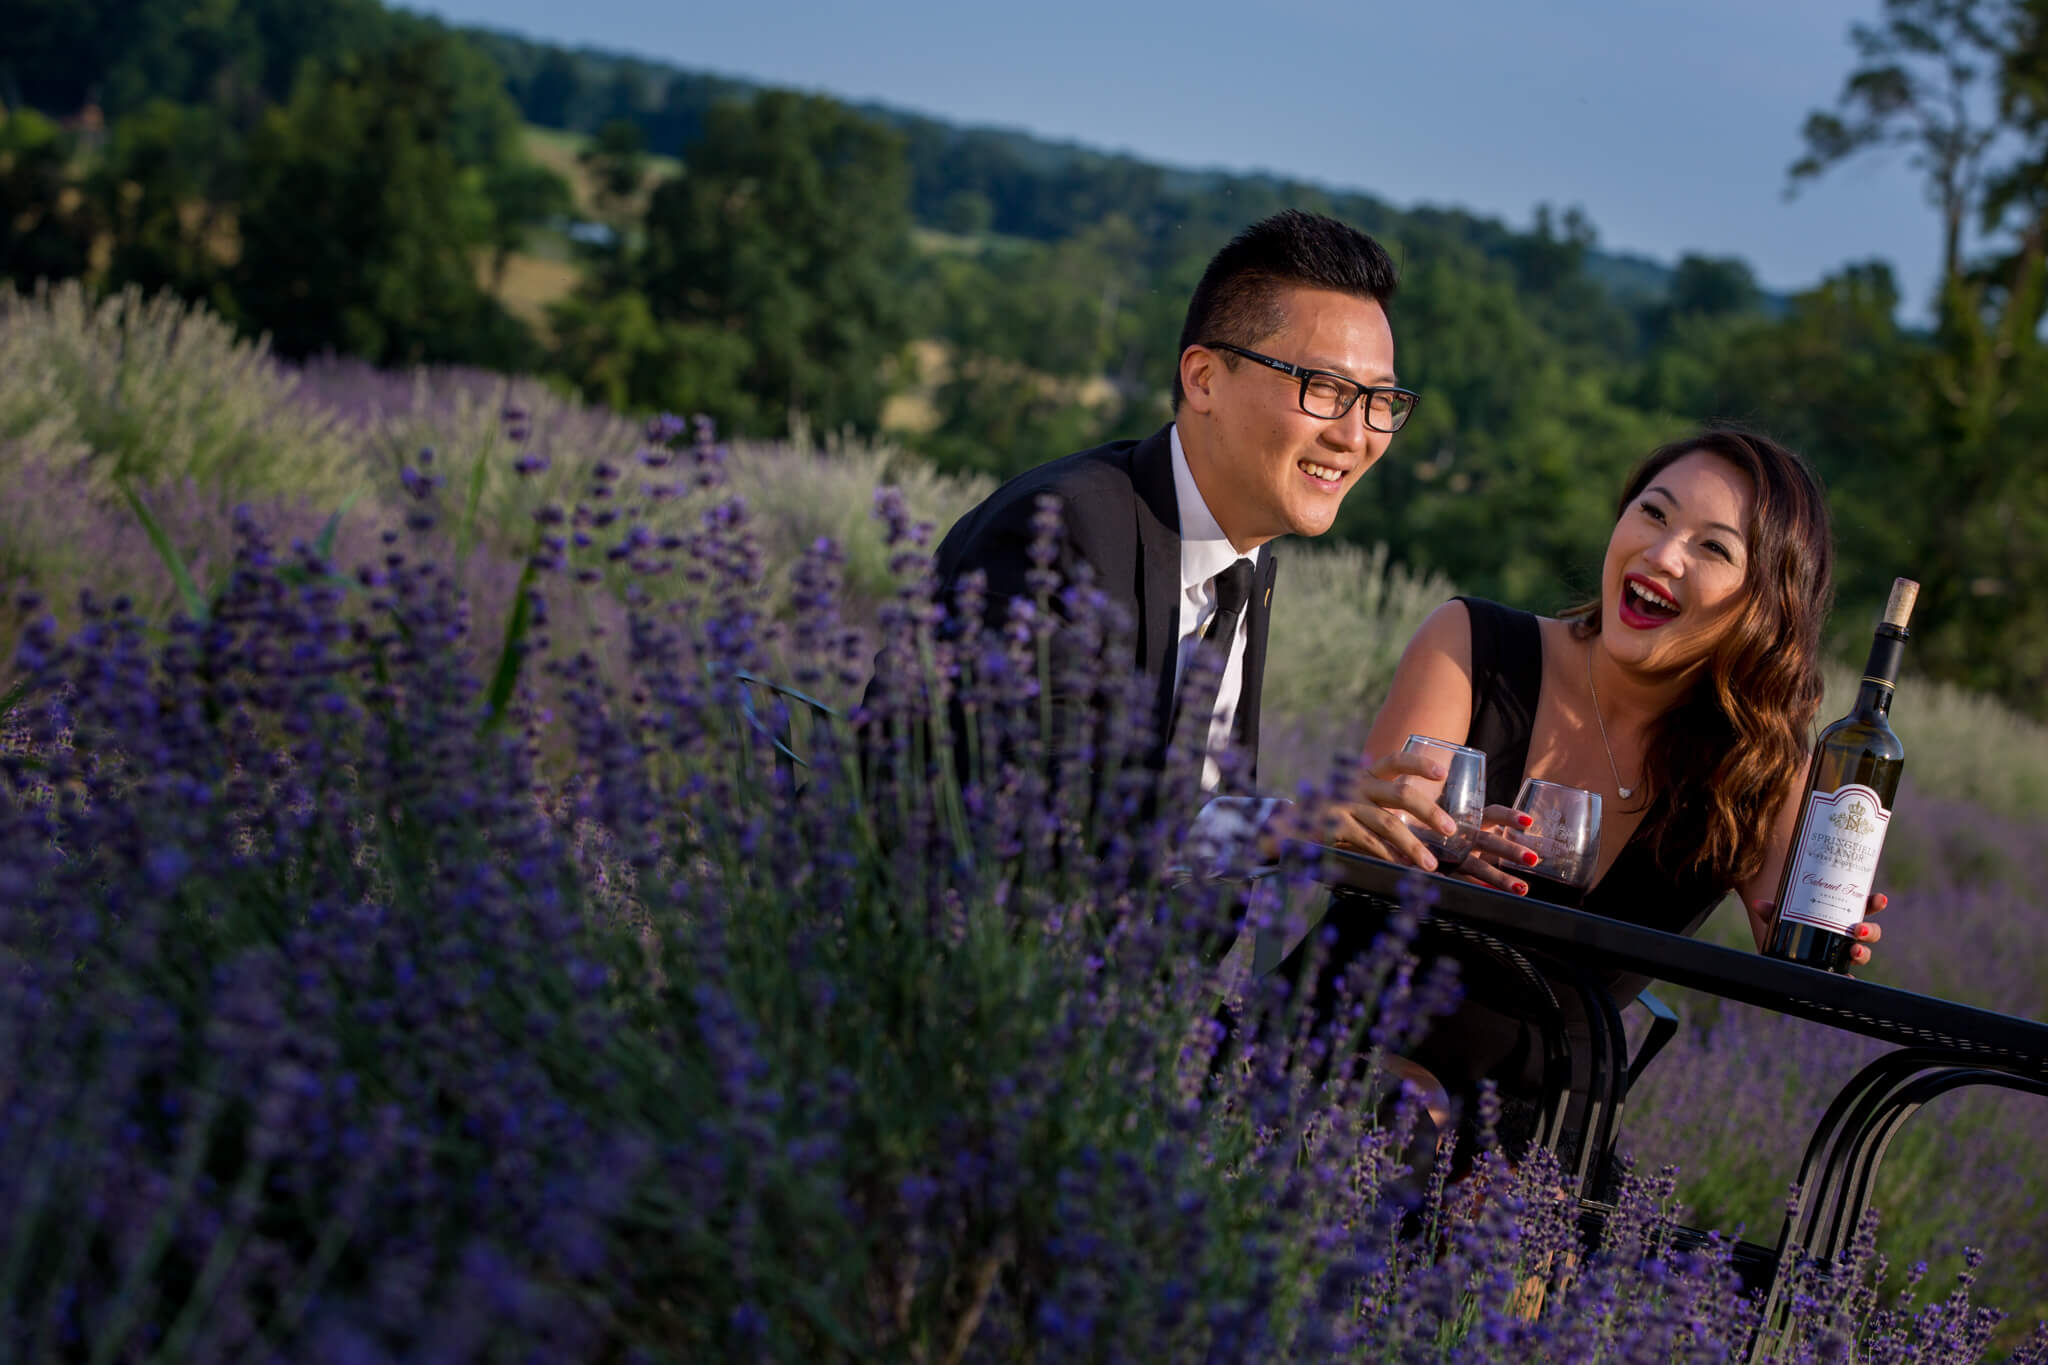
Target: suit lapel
[(1157, 525)]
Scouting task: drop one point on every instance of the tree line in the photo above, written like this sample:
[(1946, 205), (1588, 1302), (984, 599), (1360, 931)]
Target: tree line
[(332, 173)]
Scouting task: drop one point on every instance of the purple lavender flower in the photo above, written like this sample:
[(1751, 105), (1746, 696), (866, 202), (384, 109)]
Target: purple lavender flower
[(455, 957)]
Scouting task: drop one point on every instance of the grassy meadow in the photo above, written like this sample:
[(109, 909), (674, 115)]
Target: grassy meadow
[(547, 269), (104, 405), (560, 151)]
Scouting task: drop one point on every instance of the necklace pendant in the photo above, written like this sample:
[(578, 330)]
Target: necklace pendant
[(1625, 792)]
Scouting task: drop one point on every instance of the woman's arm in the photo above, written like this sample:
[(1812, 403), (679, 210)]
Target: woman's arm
[(1760, 891), (1432, 688), (1431, 695)]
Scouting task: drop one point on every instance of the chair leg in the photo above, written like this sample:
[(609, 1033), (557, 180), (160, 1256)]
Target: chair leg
[(1609, 1084), (1868, 1144), (1663, 1027), (1598, 1075), (1839, 1170)]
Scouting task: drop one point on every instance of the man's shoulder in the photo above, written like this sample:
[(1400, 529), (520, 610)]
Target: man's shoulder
[(1096, 488), (1085, 474)]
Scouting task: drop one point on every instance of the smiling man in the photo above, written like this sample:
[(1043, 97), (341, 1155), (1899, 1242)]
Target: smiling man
[(1283, 399)]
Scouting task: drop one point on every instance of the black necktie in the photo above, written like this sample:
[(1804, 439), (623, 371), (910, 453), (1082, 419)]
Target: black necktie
[(1233, 590)]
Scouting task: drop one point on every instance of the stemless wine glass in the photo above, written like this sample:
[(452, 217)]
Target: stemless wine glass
[(1565, 832), (1462, 794)]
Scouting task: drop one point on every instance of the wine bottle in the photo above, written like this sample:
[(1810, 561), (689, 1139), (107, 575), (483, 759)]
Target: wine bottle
[(1845, 810)]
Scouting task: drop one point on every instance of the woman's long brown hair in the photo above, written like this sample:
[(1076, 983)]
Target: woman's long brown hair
[(1719, 765)]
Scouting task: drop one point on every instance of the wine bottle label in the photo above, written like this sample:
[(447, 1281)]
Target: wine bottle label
[(1840, 838)]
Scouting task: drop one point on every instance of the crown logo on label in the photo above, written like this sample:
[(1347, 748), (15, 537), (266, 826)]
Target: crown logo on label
[(1850, 820)]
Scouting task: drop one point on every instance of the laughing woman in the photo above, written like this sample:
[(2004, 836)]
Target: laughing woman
[(1684, 695)]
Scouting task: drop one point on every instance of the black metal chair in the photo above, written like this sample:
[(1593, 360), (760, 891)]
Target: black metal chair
[(1581, 1045)]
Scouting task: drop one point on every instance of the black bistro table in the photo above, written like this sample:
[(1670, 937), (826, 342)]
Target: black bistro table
[(1575, 964)]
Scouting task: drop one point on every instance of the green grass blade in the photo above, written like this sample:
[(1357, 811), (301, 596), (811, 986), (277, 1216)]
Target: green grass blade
[(195, 603), (323, 545), (322, 549), (505, 676), (465, 534)]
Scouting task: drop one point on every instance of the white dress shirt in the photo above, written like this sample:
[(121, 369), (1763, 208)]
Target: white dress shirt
[(1204, 553)]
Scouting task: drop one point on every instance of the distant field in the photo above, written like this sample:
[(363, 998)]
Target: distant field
[(933, 242), (557, 150), (913, 410), (530, 284), (547, 270)]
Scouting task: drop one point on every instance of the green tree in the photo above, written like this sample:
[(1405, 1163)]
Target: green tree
[(1703, 290), (1975, 484), (1838, 379), (1915, 89), (614, 164), (966, 213), (1505, 477), (1708, 286), (239, 55), (615, 159), (616, 352), (1552, 271), (1989, 421), (475, 118), (1032, 332), (999, 418), (46, 224), (523, 195), (791, 226), (1067, 309), (163, 186), (551, 94), (361, 228), (2016, 194)]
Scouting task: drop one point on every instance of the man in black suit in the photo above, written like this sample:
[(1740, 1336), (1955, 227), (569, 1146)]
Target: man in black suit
[(1283, 399)]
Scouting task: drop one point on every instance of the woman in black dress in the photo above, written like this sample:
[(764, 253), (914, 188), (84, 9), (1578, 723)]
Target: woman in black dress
[(1684, 694)]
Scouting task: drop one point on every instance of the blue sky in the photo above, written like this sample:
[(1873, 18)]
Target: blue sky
[(1670, 123)]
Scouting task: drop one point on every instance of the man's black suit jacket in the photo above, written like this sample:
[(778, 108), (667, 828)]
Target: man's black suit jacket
[(1120, 514)]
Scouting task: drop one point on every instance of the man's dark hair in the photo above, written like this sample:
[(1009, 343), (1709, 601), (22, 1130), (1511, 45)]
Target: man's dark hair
[(1238, 300)]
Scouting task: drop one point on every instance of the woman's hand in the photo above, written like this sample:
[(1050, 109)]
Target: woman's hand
[(1495, 851), (1763, 915), (1368, 820)]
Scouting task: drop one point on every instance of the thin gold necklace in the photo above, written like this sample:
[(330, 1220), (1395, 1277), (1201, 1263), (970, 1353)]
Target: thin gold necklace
[(1623, 792)]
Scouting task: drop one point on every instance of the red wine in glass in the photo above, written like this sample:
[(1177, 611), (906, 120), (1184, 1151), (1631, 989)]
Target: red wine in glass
[(1564, 830)]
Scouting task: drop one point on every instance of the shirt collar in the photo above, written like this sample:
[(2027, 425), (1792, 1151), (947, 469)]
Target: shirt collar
[(1204, 550)]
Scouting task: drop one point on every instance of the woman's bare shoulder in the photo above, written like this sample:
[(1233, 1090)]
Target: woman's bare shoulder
[(1447, 630), (1560, 637), (1431, 690)]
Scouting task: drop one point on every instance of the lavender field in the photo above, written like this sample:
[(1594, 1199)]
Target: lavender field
[(414, 952)]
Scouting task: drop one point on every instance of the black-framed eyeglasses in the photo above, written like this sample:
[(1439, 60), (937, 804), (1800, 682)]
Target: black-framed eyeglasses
[(1329, 396)]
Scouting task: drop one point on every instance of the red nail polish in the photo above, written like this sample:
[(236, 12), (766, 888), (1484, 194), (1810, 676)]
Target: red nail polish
[(1527, 820), (1529, 856), (1521, 888)]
